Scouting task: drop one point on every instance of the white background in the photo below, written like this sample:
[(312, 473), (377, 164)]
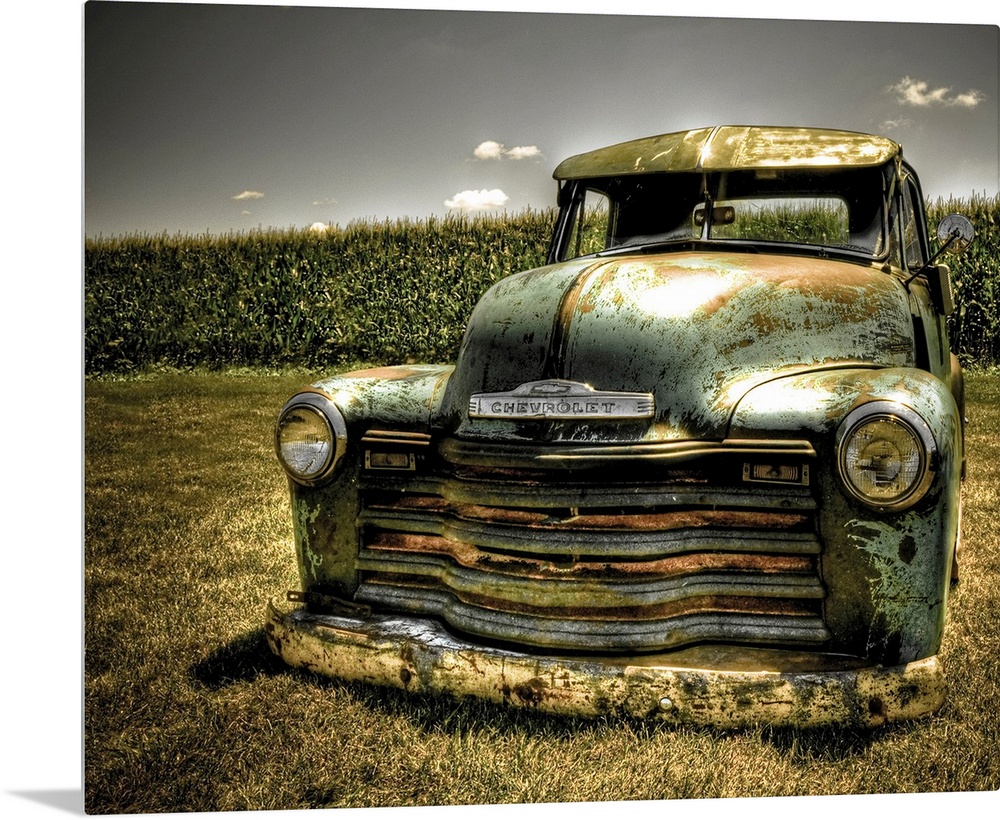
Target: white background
[(42, 646)]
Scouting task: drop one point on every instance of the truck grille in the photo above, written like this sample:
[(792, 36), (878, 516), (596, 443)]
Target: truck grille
[(595, 560)]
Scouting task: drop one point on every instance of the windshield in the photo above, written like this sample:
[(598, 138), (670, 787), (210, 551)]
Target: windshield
[(830, 209)]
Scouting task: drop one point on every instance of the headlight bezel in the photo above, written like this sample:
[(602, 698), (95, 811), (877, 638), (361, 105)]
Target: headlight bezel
[(911, 423), (336, 428)]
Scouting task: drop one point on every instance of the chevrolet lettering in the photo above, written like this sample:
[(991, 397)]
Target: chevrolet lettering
[(560, 399), (703, 466)]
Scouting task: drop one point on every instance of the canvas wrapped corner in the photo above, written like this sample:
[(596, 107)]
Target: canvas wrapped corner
[(725, 687)]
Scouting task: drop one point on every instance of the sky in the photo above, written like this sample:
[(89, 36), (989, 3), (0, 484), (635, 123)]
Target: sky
[(222, 118)]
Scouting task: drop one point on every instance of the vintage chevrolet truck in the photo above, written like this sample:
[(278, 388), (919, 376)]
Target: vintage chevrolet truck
[(704, 466)]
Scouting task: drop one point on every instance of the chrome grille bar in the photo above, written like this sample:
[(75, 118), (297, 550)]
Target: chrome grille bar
[(594, 560)]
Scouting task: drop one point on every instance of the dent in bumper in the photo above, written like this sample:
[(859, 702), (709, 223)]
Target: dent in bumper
[(723, 687)]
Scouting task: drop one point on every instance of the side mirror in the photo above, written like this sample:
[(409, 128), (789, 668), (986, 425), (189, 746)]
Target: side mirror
[(955, 233)]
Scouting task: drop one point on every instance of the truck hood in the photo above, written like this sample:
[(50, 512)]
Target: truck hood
[(696, 331)]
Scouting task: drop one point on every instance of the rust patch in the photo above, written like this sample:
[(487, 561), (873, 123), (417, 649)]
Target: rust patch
[(588, 304), (651, 521), (468, 555), (556, 357), (531, 692), (695, 605)]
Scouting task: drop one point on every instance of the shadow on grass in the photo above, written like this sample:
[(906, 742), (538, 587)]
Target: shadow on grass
[(827, 745), (433, 714), (442, 714), (248, 658), (240, 661)]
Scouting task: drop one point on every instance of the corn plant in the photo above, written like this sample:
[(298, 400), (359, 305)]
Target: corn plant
[(376, 291)]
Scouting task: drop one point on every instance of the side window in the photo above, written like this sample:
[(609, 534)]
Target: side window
[(913, 252), (591, 226)]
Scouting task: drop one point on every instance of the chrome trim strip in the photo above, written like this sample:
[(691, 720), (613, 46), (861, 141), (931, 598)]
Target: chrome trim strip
[(560, 399)]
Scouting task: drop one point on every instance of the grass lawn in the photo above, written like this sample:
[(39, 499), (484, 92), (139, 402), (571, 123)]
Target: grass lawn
[(187, 533)]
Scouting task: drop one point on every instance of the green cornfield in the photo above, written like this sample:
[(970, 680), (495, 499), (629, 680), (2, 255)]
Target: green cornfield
[(372, 291), (974, 327), (378, 292)]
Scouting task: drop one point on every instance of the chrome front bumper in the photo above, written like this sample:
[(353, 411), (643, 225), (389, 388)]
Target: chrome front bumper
[(723, 686)]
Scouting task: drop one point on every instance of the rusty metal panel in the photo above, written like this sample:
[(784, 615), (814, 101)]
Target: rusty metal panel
[(645, 534), (675, 571), (705, 686), (731, 148), (886, 575), (701, 329)]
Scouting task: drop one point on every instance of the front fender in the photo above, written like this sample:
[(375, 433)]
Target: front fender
[(817, 401), (404, 396), (886, 574), (395, 399)]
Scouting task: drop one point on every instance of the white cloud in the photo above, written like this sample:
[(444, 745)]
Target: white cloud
[(477, 200), (248, 195), (919, 93), (328, 201), (900, 123), (969, 99), (488, 150), (524, 152), (491, 149)]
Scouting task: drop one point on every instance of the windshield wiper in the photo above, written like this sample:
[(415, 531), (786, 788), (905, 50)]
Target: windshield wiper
[(646, 246), (654, 245)]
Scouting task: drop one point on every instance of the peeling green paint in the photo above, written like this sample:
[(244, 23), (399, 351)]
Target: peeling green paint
[(404, 396), (701, 329), (302, 517), (907, 605)]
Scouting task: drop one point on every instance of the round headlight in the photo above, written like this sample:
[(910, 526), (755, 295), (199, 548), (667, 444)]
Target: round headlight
[(886, 453), (310, 437)]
